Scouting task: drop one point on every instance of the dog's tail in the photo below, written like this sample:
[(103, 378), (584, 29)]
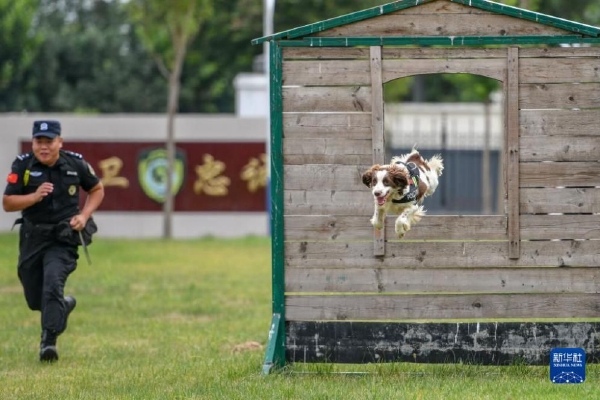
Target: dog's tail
[(437, 164), (417, 215)]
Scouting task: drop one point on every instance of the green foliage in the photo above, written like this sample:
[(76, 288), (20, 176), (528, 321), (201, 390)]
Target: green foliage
[(397, 90), (18, 46), (167, 28), (81, 55), (90, 60)]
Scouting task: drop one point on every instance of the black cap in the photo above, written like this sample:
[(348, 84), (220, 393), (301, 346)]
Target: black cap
[(49, 129)]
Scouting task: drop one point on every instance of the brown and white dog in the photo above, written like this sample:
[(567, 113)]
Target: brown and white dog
[(400, 187)]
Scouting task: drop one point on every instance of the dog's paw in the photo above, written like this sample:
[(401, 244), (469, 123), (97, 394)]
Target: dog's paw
[(402, 226), (376, 224)]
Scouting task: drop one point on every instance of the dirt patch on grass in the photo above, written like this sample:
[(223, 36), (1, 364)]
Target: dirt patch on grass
[(11, 290), (247, 346)]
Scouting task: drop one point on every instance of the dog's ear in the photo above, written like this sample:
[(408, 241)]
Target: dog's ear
[(399, 177), (367, 177)]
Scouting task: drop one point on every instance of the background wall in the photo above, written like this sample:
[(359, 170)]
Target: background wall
[(15, 129)]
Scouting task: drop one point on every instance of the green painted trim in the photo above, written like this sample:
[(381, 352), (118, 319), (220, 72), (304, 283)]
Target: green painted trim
[(540, 18), (434, 41), (272, 345), (277, 196), (486, 5), (342, 20)]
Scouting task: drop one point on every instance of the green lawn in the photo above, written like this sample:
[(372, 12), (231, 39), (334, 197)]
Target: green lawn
[(163, 320)]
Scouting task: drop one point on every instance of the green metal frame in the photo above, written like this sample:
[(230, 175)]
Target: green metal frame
[(275, 356), (433, 41)]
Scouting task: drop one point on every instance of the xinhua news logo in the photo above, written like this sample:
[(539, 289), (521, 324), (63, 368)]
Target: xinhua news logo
[(567, 365)]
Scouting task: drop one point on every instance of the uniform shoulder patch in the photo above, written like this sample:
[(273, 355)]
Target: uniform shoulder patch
[(73, 154), (24, 156)]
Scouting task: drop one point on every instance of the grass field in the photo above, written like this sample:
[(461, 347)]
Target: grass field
[(177, 320)]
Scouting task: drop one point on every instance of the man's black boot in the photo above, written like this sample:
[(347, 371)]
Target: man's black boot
[(70, 304), (48, 346)]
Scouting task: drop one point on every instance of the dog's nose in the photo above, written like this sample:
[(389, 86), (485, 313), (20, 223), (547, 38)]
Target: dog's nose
[(377, 193)]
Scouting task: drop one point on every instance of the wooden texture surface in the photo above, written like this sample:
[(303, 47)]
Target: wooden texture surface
[(559, 95), (461, 306), (360, 202), (560, 123), (357, 228), (323, 125), (442, 280), (524, 264), (512, 102), (378, 132), (425, 21), (327, 99), (431, 254)]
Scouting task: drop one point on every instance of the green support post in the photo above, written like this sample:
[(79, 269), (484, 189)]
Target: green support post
[(275, 356)]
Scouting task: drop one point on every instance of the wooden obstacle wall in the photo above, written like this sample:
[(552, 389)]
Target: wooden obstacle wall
[(538, 260)]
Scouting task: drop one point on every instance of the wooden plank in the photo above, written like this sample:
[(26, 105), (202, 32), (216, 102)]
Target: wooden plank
[(567, 226), (470, 343), (559, 148), (357, 227), (319, 125), (551, 200), (326, 73), (319, 202), (443, 280), (408, 53), (550, 174), (327, 99), (559, 70), (327, 151), (463, 306), (360, 202), (443, 254), (325, 53), (557, 95), (378, 132), (377, 114), (559, 52), (512, 99), (443, 7), (342, 159), (492, 68), (465, 24), (560, 122), (319, 177)]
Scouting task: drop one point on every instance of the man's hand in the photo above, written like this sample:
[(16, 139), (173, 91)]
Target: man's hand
[(78, 222), (43, 190)]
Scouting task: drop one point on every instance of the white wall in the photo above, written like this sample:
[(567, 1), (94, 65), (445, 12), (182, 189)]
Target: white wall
[(145, 127)]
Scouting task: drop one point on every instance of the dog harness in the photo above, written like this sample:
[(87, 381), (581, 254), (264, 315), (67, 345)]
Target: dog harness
[(413, 185)]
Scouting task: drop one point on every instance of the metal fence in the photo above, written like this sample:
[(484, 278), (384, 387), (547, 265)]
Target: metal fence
[(469, 136)]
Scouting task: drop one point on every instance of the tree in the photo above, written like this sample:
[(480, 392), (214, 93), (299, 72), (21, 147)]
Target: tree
[(91, 61), (167, 29), (18, 46)]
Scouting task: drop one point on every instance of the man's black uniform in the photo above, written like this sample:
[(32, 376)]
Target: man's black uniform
[(48, 245)]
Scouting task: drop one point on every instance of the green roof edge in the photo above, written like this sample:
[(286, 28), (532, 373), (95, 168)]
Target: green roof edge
[(486, 5), (540, 18), (342, 20), (434, 41)]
